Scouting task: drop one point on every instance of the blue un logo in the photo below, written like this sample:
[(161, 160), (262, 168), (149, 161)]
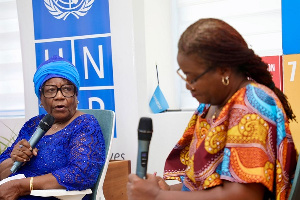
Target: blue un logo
[(61, 9)]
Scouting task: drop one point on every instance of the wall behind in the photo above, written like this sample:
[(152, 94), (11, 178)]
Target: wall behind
[(153, 44), (11, 79), (259, 22)]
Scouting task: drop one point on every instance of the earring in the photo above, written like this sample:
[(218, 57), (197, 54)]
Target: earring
[(225, 80), (41, 106), (77, 102)]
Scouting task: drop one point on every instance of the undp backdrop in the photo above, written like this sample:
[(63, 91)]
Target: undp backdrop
[(79, 31)]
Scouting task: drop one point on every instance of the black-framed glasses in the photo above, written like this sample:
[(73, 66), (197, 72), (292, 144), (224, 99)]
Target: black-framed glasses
[(50, 91), (183, 76)]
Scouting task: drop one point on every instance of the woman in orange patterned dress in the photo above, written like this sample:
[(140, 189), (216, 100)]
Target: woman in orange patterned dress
[(237, 144)]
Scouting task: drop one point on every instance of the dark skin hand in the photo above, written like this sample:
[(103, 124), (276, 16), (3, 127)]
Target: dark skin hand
[(153, 189), (11, 189), (21, 152)]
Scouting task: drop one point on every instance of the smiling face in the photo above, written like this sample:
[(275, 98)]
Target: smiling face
[(208, 88), (60, 107)]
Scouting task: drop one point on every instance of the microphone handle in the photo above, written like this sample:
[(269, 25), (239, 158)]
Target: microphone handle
[(16, 166), (35, 138), (38, 134), (143, 149)]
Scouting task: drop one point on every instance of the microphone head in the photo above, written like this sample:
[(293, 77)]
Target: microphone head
[(145, 129), (46, 122)]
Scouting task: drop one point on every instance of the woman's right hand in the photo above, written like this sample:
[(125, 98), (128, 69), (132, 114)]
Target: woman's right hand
[(162, 183), (23, 152), (142, 189)]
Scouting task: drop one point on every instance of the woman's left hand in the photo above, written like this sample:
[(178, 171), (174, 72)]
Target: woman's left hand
[(142, 189), (10, 190)]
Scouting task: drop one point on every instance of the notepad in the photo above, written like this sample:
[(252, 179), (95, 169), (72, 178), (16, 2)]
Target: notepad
[(18, 176)]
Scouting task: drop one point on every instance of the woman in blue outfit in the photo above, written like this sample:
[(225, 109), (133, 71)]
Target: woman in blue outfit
[(71, 153)]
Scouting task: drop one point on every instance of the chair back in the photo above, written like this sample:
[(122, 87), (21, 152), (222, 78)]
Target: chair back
[(106, 119), (295, 191)]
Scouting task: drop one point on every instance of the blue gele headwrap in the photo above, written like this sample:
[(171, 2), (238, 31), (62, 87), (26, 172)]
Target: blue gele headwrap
[(55, 67)]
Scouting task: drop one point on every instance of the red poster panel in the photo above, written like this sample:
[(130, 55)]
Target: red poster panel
[(275, 67)]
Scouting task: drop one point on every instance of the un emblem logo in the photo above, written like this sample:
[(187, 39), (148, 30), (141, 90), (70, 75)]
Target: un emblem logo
[(61, 9)]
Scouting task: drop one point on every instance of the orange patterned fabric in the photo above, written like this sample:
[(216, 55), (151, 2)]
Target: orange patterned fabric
[(249, 142)]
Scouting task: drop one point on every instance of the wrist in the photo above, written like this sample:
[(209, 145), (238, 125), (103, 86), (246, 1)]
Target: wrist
[(160, 195), (24, 186), (5, 168)]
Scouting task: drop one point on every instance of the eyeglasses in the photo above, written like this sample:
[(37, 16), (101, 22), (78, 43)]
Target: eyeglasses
[(50, 91), (184, 77)]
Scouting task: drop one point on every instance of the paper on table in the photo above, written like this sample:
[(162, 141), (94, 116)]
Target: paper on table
[(61, 193), (18, 176), (58, 192)]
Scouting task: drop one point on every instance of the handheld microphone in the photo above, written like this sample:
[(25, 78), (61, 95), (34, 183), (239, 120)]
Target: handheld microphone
[(44, 125), (145, 130)]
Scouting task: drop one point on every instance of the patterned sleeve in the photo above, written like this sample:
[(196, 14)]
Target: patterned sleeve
[(259, 147), (86, 158), (24, 133), (249, 142)]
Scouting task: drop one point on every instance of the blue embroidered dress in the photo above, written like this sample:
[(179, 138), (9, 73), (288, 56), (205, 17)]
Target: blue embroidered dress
[(74, 155)]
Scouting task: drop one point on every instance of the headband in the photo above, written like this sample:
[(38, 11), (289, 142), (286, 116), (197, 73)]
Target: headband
[(55, 67)]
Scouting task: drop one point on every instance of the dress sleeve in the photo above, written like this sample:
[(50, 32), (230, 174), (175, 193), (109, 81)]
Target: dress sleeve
[(86, 158), (259, 147), (24, 133)]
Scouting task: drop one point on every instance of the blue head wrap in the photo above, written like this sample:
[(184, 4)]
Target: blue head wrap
[(53, 68)]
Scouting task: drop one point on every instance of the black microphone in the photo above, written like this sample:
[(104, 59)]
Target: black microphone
[(145, 130), (44, 125)]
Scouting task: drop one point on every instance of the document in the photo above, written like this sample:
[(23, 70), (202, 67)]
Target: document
[(18, 176)]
